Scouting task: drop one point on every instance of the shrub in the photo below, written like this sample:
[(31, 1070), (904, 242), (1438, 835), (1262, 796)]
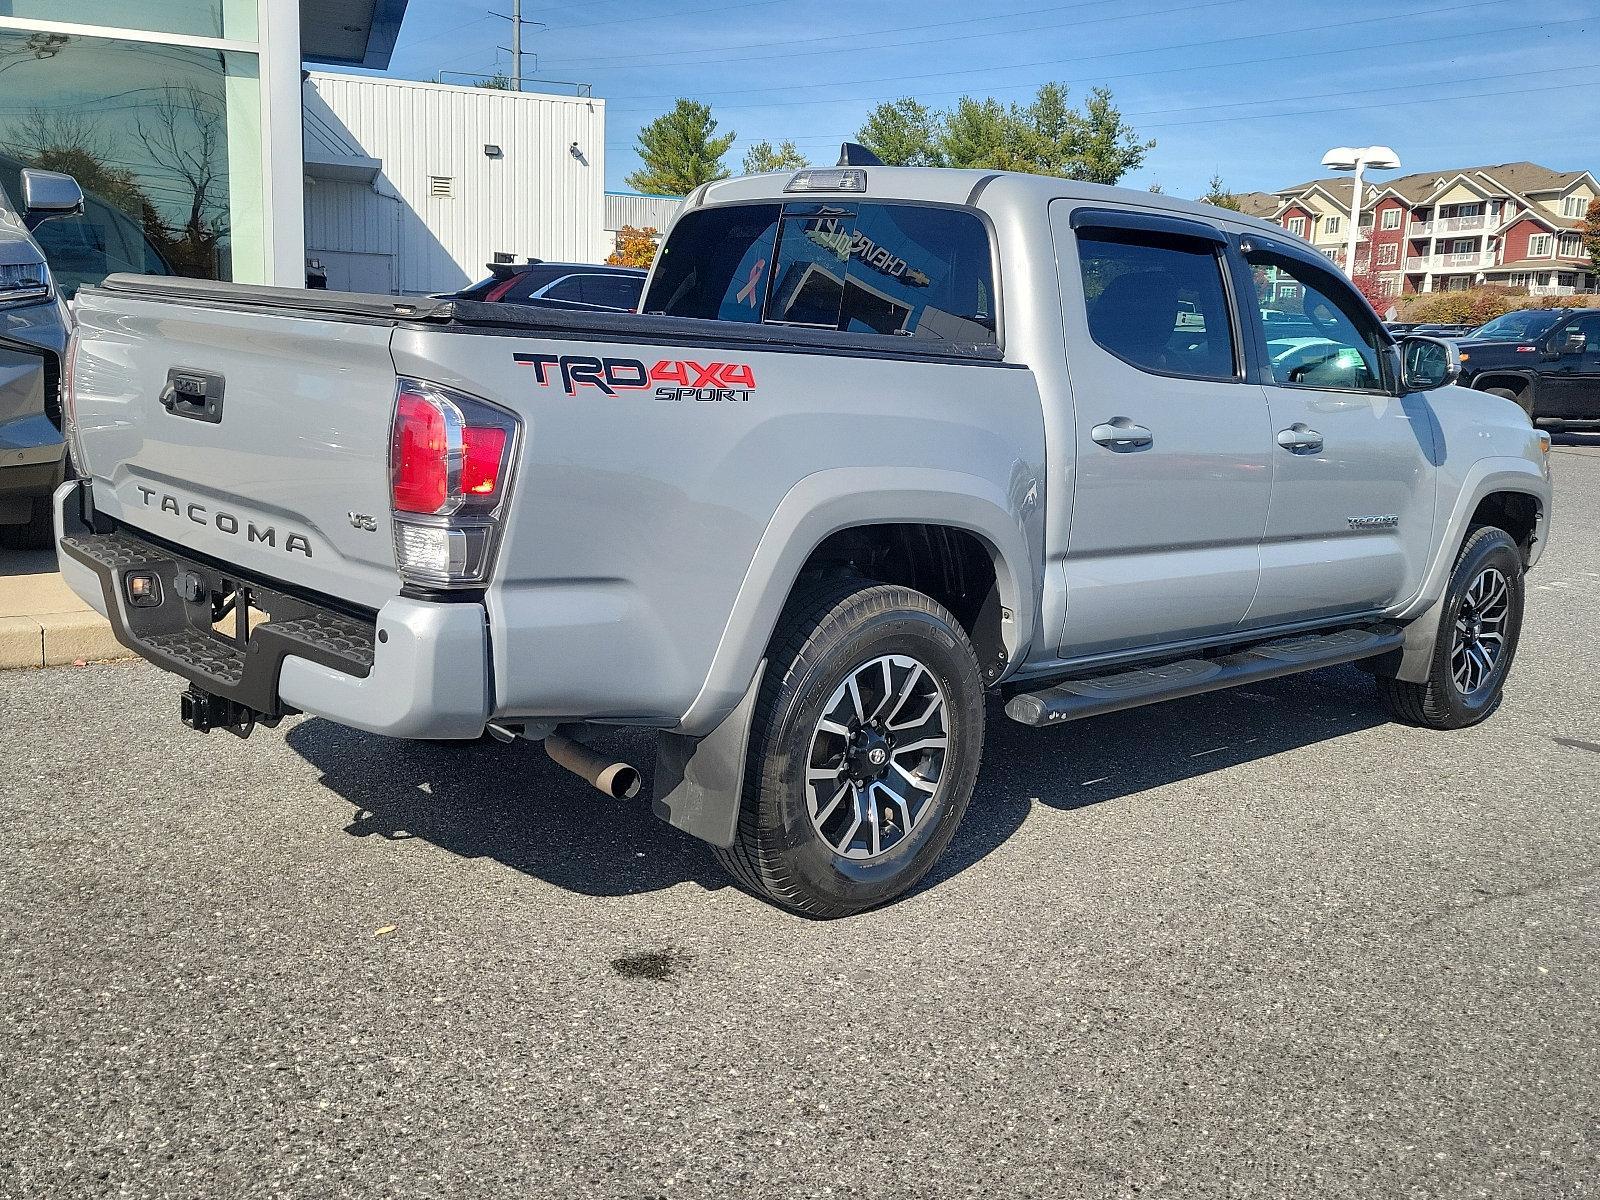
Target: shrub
[(1480, 304), (635, 247)]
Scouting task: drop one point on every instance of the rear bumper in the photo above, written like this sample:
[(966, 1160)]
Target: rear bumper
[(415, 669)]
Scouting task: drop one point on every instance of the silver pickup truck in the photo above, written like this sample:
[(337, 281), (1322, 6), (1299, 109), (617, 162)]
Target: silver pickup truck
[(883, 443)]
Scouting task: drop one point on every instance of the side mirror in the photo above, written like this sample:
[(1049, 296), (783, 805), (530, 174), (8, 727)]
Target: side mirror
[(1576, 342), (47, 194), (1428, 363)]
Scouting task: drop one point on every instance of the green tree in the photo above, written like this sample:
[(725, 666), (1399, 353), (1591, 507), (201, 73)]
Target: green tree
[(1106, 146), (1591, 232), (904, 133), (1046, 137), (681, 151), (1048, 132), (1218, 194), (762, 157), (498, 82), (984, 134)]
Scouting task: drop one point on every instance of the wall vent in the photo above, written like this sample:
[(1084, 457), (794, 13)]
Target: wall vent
[(441, 185)]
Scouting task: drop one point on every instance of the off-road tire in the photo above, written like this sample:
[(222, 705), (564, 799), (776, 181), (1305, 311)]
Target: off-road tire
[(831, 627), (1440, 703)]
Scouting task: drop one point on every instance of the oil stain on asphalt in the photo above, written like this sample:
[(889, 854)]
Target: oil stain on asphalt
[(654, 965)]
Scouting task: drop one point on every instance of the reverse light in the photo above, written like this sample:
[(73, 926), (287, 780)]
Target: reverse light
[(450, 463)]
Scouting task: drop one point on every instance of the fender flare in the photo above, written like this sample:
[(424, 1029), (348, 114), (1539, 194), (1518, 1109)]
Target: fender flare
[(1425, 614), (701, 765), (1492, 376), (826, 502)]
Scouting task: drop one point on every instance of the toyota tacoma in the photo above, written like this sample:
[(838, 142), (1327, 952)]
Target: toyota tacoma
[(883, 443)]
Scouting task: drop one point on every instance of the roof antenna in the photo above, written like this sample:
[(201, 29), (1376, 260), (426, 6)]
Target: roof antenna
[(853, 155)]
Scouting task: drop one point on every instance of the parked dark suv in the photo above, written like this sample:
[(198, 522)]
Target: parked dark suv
[(1546, 359), (53, 238), (580, 286), (33, 336)]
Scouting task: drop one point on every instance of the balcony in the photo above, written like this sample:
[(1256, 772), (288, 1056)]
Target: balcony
[(1470, 261), (1445, 226)]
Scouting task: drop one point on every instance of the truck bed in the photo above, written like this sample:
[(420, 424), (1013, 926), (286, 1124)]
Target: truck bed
[(552, 322)]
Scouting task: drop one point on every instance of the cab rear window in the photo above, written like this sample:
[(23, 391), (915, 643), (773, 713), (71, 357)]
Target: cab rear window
[(896, 269)]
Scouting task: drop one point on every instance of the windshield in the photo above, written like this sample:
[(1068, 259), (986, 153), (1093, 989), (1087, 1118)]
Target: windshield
[(1519, 326)]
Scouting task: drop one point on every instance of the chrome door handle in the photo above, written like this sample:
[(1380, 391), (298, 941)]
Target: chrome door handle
[(1300, 439), (1119, 433)]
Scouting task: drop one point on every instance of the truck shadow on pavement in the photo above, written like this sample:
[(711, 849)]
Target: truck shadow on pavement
[(512, 804)]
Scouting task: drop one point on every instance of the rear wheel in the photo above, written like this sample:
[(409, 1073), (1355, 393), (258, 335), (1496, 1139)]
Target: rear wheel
[(864, 750), (1477, 639)]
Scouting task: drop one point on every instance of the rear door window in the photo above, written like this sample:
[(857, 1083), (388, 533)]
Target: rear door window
[(1158, 302), (613, 291), (570, 288), (524, 284)]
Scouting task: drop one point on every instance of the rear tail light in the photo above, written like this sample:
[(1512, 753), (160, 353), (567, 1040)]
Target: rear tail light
[(450, 464)]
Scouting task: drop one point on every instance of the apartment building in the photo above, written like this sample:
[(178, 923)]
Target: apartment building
[(1518, 224)]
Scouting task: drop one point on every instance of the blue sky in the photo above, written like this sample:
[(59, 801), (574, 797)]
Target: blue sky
[(1256, 91)]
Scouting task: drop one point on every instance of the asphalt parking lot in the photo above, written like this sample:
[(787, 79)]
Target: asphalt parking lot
[(1253, 944)]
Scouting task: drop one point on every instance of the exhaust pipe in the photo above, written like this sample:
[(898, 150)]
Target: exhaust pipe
[(616, 779)]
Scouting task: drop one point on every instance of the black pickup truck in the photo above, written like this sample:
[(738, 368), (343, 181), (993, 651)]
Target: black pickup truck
[(1546, 359)]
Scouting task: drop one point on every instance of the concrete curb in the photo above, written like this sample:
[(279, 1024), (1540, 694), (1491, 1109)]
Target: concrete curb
[(57, 640), (42, 622)]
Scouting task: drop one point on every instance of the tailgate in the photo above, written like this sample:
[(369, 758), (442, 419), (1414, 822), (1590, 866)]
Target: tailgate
[(257, 437)]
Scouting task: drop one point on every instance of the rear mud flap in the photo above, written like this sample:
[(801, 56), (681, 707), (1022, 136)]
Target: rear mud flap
[(699, 782)]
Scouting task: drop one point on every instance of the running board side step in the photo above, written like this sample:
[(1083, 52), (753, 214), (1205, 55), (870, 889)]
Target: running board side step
[(1096, 695)]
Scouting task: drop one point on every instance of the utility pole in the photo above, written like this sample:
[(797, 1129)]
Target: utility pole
[(516, 44), (516, 40)]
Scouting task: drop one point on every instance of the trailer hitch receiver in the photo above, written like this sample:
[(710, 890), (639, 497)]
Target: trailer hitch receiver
[(203, 711)]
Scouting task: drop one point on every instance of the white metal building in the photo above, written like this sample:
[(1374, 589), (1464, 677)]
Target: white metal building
[(640, 210), (186, 113), (414, 187)]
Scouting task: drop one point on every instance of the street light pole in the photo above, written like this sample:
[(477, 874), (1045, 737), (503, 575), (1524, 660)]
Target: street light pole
[(1355, 221), (1358, 159)]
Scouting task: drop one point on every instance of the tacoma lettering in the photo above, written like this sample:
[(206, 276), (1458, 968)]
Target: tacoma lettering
[(225, 522)]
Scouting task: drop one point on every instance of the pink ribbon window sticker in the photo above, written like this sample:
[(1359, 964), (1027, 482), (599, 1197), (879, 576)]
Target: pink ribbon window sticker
[(747, 294)]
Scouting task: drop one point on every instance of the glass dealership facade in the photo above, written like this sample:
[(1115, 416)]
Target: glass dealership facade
[(160, 109)]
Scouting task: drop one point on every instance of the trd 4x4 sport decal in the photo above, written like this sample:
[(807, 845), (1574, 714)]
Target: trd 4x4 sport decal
[(672, 379)]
